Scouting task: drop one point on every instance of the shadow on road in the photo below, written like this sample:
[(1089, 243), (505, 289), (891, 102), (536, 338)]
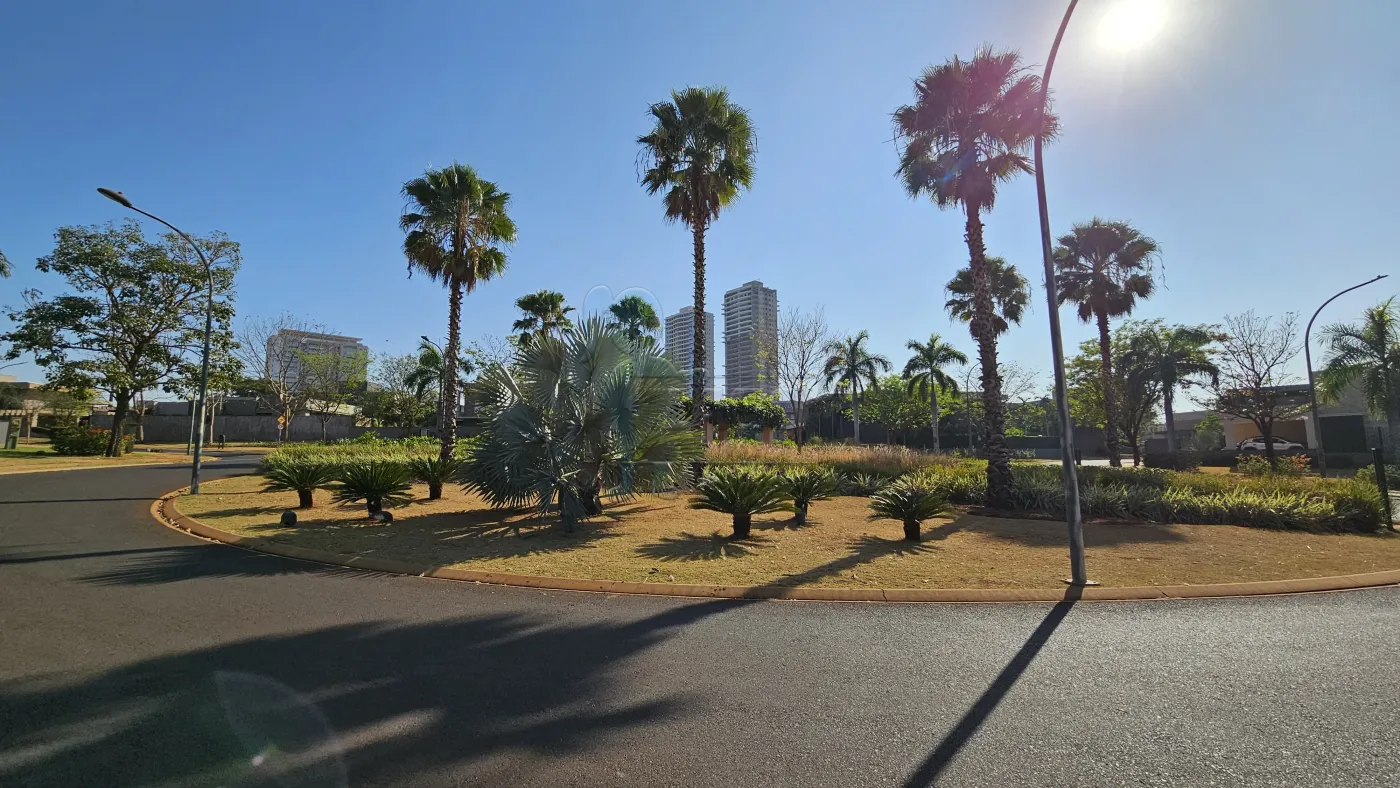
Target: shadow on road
[(146, 498), (173, 564), (938, 760)]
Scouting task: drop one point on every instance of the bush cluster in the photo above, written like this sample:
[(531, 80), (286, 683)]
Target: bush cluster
[(367, 468), (78, 441)]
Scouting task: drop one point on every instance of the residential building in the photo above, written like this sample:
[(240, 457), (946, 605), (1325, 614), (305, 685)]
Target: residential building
[(750, 340), (286, 348), (680, 346), (1348, 426)]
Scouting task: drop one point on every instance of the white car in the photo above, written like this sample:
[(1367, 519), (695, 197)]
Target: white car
[(1280, 445)]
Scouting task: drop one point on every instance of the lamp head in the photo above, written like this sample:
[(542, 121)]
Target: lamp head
[(115, 196)]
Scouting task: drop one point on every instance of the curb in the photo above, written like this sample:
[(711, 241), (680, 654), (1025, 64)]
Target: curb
[(162, 462), (165, 512)]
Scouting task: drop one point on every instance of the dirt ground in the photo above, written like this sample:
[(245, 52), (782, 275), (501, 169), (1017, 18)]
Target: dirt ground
[(658, 539), (40, 457)]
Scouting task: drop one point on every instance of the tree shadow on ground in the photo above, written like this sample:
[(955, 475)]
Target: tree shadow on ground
[(699, 547), (1051, 533), (862, 550), (359, 703), (174, 564)]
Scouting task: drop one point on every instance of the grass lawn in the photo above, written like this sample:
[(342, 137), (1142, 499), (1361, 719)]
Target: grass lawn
[(39, 456), (658, 539)]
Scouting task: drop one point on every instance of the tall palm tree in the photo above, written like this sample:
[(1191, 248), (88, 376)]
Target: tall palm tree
[(4, 266), (1368, 354), (545, 315), (427, 375), (1105, 267), (456, 225), (698, 155), (968, 130), (925, 372), (1011, 294), (850, 361), (1172, 356), (635, 316)]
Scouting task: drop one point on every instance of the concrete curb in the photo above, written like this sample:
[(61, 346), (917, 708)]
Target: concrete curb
[(164, 510)]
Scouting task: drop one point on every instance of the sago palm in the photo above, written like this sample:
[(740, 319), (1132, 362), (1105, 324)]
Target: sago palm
[(1172, 356), (967, 131), (456, 224), (1105, 267), (1011, 294), (544, 314), (924, 372), (578, 416), (699, 155), (1368, 354), (635, 316), (850, 362)]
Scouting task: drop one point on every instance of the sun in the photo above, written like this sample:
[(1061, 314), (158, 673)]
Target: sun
[(1129, 24)]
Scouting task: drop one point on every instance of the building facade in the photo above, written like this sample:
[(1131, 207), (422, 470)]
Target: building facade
[(680, 346), (286, 348), (750, 340)]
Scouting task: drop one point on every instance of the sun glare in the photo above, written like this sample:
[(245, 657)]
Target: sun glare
[(1131, 23)]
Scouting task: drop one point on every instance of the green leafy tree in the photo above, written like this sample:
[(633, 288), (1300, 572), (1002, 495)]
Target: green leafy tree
[(896, 406), (456, 226), (399, 397), (1011, 294), (969, 129), (636, 316), (924, 372), (543, 313), (1368, 354), (135, 317), (699, 155), (1175, 356), (1137, 390), (332, 380), (1105, 267), (850, 362)]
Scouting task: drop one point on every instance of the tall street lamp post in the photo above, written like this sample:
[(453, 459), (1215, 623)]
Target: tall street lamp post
[(201, 403), (1312, 384)]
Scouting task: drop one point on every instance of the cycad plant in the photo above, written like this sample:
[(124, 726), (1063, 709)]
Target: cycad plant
[(742, 492), (910, 501), (379, 483), (434, 472), (578, 416), (806, 484), (303, 475)]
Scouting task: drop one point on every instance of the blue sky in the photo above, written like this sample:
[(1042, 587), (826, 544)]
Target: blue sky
[(1251, 138)]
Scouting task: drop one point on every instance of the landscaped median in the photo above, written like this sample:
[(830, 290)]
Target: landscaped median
[(657, 544)]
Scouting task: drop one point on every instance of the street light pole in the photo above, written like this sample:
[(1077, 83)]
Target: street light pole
[(1312, 385), (201, 403), (1079, 575)]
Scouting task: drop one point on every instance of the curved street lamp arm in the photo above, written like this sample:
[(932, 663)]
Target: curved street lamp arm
[(1312, 383)]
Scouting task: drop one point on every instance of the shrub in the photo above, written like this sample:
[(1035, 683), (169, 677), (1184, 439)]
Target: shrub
[(910, 501), (862, 484), (303, 475), (1392, 475), (1183, 460), (377, 483), (741, 491), (1252, 465), (76, 440), (434, 471), (808, 484), (887, 461)]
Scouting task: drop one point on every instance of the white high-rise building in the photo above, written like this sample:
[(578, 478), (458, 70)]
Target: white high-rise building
[(680, 346), (750, 340), (286, 347)]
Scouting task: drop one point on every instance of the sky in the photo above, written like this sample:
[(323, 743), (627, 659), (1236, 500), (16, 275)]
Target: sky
[(1250, 138)]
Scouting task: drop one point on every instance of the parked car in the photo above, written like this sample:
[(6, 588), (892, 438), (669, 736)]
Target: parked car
[(1281, 445)]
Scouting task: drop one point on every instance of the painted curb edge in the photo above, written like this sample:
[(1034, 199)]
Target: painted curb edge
[(166, 513)]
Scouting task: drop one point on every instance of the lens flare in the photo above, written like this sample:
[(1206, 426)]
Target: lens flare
[(1129, 24)]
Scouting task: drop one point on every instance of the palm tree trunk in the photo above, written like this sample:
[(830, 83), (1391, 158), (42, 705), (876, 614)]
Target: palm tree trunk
[(993, 414), (697, 355), (1171, 419), (449, 370), (855, 413), (933, 399), (1110, 397)]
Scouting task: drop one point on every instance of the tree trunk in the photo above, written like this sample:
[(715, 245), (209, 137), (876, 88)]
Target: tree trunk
[(799, 515), (1137, 453), (304, 499), (993, 414), (933, 400), (855, 415), (1392, 424), (323, 430), (742, 525), (449, 370), (434, 491), (697, 352), (1267, 430), (1171, 420), (114, 441), (722, 433), (1110, 395), (373, 506), (911, 531)]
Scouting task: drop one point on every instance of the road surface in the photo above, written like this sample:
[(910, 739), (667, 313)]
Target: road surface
[(131, 654)]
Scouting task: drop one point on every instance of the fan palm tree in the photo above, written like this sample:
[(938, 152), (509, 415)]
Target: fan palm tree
[(925, 372), (1105, 267), (698, 156), (850, 362), (545, 315), (968, 130), (635, 316), (427, 375), (1368, 354), (1011, 294), (4, 266), (455, 225), (1172, 356), (580, 414)]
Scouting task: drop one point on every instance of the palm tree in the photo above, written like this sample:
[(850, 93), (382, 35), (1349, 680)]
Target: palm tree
[(635, 316), (4, 266), (1011, 294), (427, 375), (1105, 267), (456, 224), (699, 155), (967, 131), (850, 362), (1368, 354), (1171, 357), (545, 315), (925, 372)]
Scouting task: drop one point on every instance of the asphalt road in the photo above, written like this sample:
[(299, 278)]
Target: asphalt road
[(131, 654)]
